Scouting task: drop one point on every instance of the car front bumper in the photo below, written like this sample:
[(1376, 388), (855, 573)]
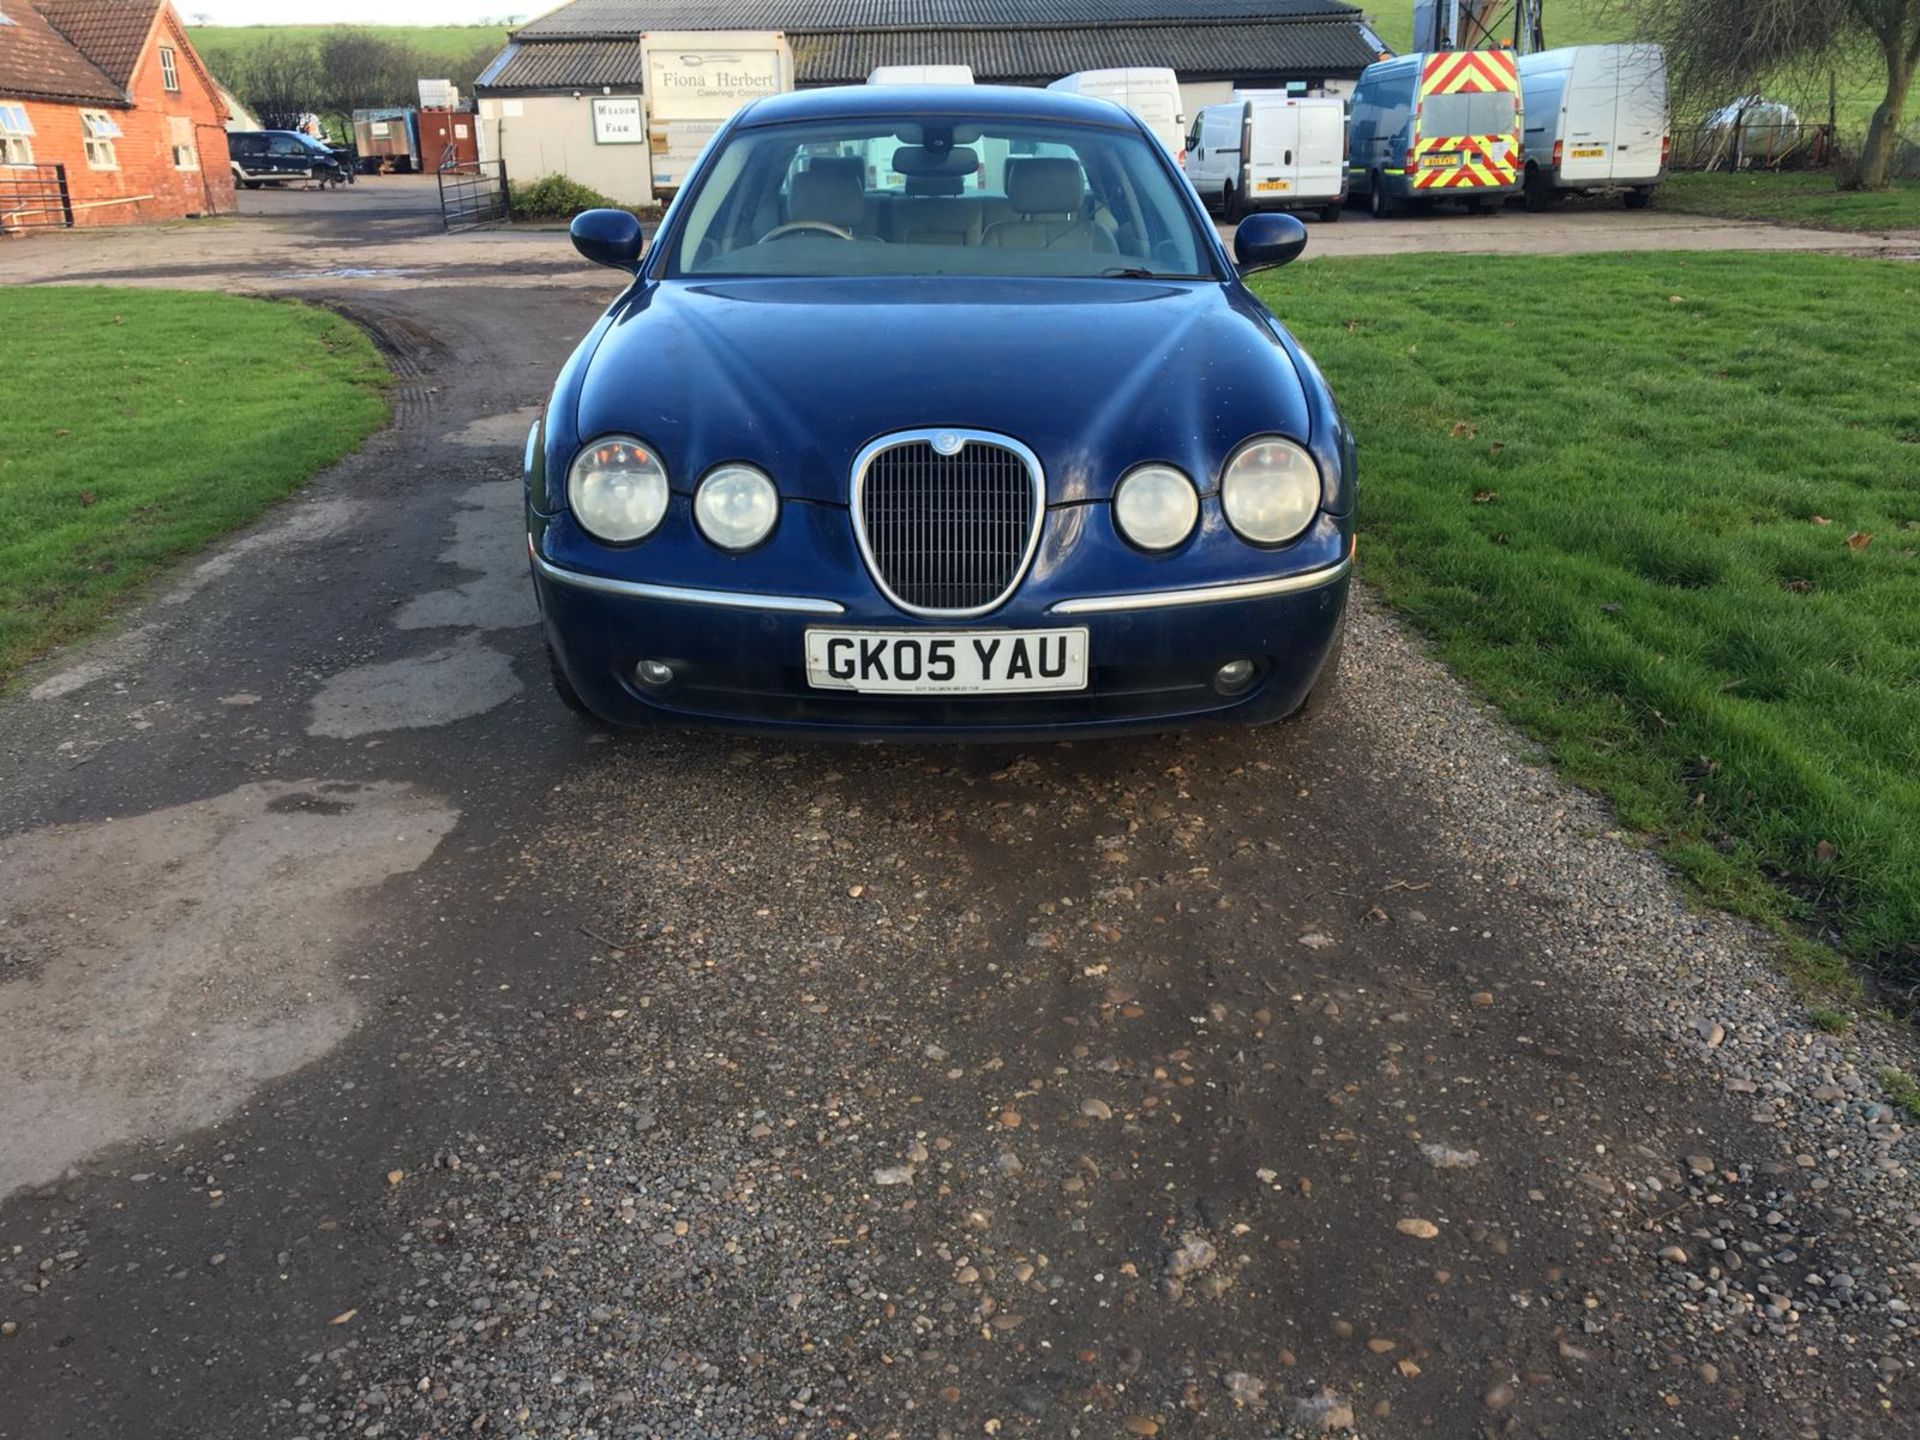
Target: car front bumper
[(738, 660)]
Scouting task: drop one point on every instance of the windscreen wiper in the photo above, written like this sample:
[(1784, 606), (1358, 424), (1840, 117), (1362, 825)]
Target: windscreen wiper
[(1135, 272)]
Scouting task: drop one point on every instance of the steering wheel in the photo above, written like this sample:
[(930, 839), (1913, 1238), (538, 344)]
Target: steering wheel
[(795, 227)]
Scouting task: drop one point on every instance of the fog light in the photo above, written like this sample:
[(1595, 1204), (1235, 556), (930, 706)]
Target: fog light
[(653, 672), (1233, 676)]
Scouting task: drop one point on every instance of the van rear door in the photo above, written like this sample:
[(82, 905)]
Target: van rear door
[(1273, 152), (1592, 110), (1159, 107), (1322, 156), (1640, 112)]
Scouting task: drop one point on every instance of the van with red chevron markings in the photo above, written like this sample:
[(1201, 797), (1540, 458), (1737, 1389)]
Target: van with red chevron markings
[(1439, 126)]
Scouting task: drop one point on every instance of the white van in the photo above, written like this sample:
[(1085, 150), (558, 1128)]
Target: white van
[(1268, 150), (921, 75), (1152, 94), (1596, 119)]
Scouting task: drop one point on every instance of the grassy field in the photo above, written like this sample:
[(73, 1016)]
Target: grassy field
[(448, 42), (1663, 509), (1800, 198), (143, 423)]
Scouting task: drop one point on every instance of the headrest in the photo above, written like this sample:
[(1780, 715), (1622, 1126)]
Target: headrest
[(936, 185), (919, 160), (1046, 185), (852, 165), (833, 194)]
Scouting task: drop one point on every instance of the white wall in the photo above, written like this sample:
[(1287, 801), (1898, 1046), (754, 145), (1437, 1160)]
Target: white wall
[(539, 135)]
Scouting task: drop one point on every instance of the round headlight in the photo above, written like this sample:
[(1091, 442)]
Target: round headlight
[(617, 489), (1156, 507), (735, 507), (1270, 491)]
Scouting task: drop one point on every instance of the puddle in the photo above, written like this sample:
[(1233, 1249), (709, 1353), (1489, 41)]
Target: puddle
[(171, 963), (465, 679)]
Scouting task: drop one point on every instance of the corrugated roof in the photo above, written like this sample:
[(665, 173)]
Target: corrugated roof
[(564, 65), (1298, 50), (37, 62), (1294, 50), (614, 18), (111, 33)]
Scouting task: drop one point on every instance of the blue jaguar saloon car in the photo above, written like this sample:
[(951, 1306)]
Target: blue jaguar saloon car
[(939, 413)]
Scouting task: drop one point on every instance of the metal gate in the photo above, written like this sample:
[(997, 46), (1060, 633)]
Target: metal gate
[(34, 197), (474, 194)]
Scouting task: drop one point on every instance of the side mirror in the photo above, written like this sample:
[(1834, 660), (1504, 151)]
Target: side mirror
[(608, 237), (1262, 241)]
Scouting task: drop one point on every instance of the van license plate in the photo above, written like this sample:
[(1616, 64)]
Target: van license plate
[(1440, 162), (946, 662), (1269, 186), (1590, 152)]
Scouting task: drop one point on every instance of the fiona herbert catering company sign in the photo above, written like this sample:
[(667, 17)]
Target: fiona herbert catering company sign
[(617, 120)]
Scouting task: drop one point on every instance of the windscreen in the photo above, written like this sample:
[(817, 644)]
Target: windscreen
[(930, 196), (1481, 113)]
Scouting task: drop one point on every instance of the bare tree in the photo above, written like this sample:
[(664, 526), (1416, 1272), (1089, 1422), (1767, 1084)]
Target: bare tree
[(279, 81), (1725, 46), (362, 71)]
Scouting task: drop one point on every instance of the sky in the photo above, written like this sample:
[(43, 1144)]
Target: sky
[(355, 12)]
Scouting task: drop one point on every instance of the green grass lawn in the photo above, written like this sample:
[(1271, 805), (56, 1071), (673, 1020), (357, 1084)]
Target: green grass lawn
[(447, 42), (142, 423), (1663, 509), (1803, 198)]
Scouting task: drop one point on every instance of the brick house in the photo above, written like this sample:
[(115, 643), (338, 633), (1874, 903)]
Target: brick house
[(107, 116)]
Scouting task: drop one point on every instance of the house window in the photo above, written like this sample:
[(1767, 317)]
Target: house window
[(99, 131), (16, 135), (185, 156), (169, 73)]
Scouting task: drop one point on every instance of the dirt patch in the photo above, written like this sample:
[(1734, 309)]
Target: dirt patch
[(176, 960)]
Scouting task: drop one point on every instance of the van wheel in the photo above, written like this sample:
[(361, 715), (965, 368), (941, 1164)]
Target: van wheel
[(1639, 199), (1331, 215), (1378, 201), (1536, 193), (1230, 205)]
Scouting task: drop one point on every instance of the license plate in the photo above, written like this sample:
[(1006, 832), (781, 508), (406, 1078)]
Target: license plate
[(1270, 185), (946, 662), (1590, 152), (1440, 162)]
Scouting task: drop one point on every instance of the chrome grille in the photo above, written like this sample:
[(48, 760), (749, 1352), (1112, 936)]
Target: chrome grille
[(947, 519)]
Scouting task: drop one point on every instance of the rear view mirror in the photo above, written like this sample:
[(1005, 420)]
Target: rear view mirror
[(1262, 241), (608, 237)]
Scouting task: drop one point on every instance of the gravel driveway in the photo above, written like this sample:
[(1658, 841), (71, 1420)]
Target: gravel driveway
[(429, 1065)]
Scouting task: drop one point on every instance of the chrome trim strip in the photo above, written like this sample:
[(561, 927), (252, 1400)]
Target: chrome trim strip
[(864, 460), (725, 599), (1205, 594)]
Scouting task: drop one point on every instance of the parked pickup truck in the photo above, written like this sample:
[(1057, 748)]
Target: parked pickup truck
[(279, 157)]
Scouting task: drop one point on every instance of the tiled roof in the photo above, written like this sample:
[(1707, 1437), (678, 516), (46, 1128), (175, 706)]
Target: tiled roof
[(38, 63), (1296, 50), (1299, 50), (111, 33), (615, 18)]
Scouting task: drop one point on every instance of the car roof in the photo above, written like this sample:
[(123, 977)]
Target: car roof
[(852, 102)]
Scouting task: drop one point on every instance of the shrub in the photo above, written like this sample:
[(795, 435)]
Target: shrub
[(555, 197)]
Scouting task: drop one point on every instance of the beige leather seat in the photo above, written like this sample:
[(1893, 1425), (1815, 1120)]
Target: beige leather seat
[(1049, 193), (831, 194), (935, 212)]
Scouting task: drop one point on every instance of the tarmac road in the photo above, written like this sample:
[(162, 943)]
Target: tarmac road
[(389, 1055)]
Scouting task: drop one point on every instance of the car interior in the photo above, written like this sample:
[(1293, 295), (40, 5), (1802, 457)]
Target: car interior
[(1078, 205)]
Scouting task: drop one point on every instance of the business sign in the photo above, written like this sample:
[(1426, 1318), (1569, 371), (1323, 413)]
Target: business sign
[(617, 120), (676, 146), (707, 76)]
